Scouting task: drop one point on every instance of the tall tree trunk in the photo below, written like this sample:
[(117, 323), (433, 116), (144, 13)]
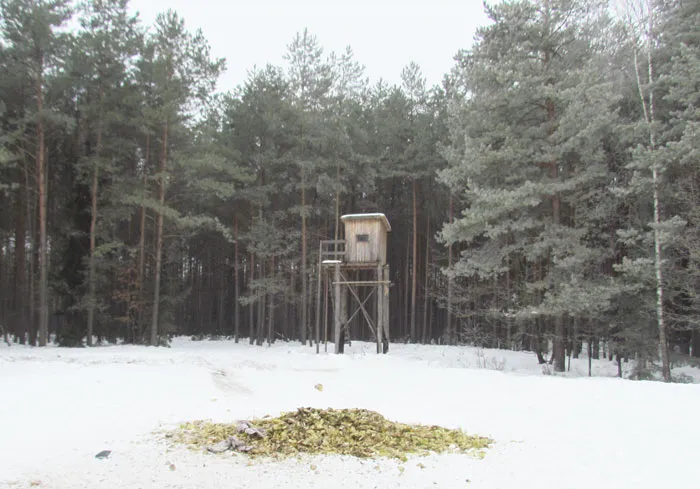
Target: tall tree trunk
[(251, 307), (91, 265), (509, 319), (93, 223), (5, 334), (20, 274), (450, 281), (293, 310), (406, 289), (649, 109), (414, 281), (4, 280), (538, 340), (223, 292), (236, 280), (198, 292), (337, 203), (142, 237), (663, 341), (336, 234), (310, 302), (41, 172), (33, 263), (695, 343), (559, 347), (559, 350), (271, 305), (210, 293), (431, 314), (159, 234), (426, 295), (590, 355), (260, 333), (304, 278)]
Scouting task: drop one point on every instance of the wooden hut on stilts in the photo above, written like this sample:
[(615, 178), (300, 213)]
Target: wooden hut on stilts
[(346, 266)]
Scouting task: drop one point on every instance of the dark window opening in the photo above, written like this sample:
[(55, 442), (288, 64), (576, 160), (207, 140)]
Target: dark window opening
[(362, 238)]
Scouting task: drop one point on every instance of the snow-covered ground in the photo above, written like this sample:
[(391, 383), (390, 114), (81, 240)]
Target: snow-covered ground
[(59, 407)]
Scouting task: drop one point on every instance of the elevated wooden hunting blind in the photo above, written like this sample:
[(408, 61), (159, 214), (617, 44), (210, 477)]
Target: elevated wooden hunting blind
[(365, 238), (357, 261)]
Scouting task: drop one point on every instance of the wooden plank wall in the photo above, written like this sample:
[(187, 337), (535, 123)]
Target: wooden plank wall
[(371, 252)]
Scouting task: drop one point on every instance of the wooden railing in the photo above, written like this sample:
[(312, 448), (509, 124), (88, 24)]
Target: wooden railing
[(333, 249)]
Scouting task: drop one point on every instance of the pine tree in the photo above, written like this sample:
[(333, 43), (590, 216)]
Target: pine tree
[(343, 128), (530, 150), (13, 188), (183, 73), (107, 44), (414, 86), (310, 82), (31, 28), (260, 124)]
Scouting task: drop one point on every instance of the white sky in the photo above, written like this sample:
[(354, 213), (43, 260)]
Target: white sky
[(384, 34)]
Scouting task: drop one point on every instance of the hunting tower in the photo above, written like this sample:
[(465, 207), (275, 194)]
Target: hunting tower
[(365, 238), (358, 261)]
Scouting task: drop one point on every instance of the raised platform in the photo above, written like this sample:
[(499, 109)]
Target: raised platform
[(348, 265)]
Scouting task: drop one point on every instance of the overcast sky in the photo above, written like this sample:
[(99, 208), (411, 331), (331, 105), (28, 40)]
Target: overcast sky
[(384, 34)]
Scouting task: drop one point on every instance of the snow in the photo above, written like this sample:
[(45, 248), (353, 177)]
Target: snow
[(60, 407), (373, 215)]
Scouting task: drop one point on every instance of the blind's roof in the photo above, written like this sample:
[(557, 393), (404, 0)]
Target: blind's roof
[(367, 217)]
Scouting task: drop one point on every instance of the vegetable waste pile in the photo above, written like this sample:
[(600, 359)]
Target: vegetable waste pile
[(356, 432)]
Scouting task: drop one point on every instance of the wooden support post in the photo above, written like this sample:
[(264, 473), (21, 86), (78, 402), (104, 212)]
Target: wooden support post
[(385, 306), (380, 308), (343, 313), (318, 299), (326, 279), (348, 326), (338, 322)]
